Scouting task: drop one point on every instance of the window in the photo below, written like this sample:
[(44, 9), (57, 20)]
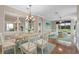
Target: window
[(64, 26), (9, 27)]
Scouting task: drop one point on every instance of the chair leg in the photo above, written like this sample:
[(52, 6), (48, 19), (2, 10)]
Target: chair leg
[(14, 49), (21, 51), (36, 51), (2, 51), (42, 50), (47, 48)]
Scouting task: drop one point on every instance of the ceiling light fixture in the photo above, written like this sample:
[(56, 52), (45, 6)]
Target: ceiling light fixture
[(30, 18)]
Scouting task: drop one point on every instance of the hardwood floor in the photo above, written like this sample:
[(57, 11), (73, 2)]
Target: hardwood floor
[(62, 49)]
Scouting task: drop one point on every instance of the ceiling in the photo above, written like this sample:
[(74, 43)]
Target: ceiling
[(49, 11)]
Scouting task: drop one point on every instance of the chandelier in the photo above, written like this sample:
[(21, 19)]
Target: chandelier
[(30, 18)]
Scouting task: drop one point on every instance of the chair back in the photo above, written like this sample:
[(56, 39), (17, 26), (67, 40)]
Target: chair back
[(1, 38), (4, 38), (45, 36)]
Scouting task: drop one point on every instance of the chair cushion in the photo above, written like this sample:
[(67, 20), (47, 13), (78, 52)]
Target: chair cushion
[(41, 42), (28, 47), (7, 44)]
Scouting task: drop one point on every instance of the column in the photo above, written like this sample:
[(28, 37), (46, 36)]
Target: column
[(77, 28), (43, 25), (2, 19), (36, 24), (72, 31), (17, 22)]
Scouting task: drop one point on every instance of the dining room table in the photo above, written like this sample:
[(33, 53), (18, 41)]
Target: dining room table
[(25, 36)]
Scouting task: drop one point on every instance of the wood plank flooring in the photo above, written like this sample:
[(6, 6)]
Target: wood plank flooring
[(62, 49)]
